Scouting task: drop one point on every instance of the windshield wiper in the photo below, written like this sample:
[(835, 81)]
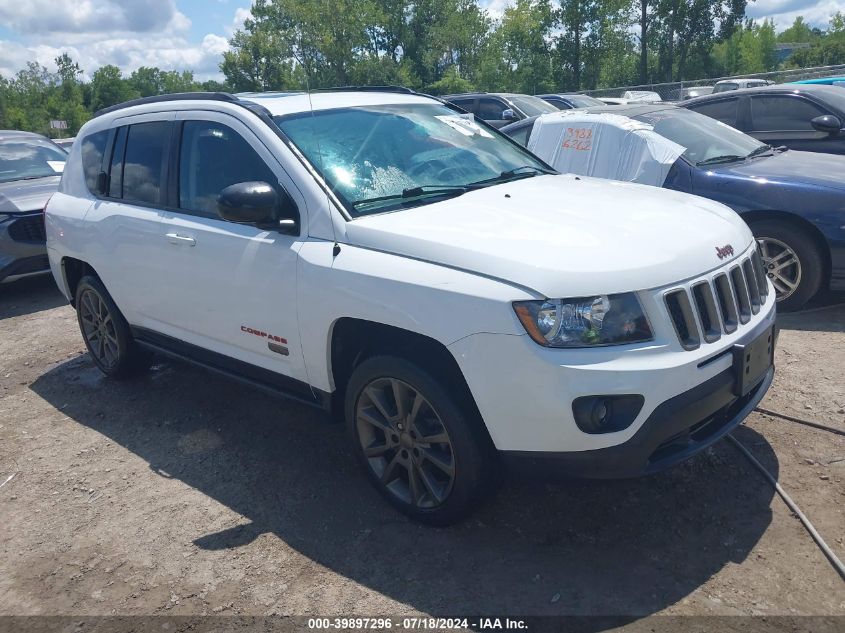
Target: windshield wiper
[(763, 149), (417, 192), (456, 190), (516, 171), (715, 160)]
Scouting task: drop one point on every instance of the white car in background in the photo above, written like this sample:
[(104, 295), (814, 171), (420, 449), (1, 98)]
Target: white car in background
[(385, 256)]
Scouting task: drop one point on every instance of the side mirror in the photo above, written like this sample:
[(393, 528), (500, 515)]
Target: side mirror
[(827, 123), (248, 203), (258, 203), (509, 115)]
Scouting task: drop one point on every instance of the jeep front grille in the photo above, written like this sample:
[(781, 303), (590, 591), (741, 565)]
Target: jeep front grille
[(708, 308), (29, 228)]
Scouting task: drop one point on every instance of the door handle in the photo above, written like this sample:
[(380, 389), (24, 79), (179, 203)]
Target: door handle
[(184, 240)]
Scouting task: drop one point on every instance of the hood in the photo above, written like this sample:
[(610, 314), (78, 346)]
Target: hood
[(27, 195), (791, 167), (563, 237)]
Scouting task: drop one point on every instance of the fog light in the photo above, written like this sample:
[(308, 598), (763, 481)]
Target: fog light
[(606, 414)]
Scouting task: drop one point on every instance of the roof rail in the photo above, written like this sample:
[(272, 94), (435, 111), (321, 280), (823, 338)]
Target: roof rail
[(177, 96), (401, 89)]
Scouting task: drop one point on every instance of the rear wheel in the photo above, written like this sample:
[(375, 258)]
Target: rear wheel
[(414, 440), (792, 262), (106, 333)]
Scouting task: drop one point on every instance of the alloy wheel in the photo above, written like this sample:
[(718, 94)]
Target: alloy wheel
[(782, 266), (405, 443), (98, 328)]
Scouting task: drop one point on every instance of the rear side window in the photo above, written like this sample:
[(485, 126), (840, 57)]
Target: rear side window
[(783, 114), (143, 161), (466, 104), (214, 156), (93, 147), (724, 110)]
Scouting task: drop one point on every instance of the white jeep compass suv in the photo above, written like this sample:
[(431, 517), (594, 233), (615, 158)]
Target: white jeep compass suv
[(384, 255)]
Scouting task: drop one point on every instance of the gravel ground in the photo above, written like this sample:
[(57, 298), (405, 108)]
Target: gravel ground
[(183, 493)]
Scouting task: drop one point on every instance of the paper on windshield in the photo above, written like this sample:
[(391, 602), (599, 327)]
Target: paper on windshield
[(465, 124), (604, 146), (57, 166)]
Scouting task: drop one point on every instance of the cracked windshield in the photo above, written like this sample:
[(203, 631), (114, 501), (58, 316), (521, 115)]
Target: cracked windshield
[(379, 158)]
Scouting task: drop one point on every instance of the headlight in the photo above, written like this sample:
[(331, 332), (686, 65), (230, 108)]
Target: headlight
[(585, 321)]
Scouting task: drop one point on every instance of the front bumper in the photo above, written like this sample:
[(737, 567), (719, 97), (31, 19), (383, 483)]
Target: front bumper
[(675, 431), (22, 252)]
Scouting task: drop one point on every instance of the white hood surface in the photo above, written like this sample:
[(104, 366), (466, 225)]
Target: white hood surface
[(563, 236)]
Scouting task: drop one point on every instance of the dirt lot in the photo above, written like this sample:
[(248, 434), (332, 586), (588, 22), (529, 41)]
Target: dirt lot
[(183, 493)]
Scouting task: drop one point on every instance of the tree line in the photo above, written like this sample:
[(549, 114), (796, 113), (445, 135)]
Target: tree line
[(443, 46)]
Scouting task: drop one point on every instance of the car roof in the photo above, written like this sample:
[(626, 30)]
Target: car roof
[(473, 95), (280, 104), (811, 89), (8, 134)]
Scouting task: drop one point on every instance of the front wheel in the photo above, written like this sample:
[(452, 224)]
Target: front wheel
[(418, 446), (791, 260)]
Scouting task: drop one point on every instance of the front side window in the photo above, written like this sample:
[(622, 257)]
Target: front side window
[(143, 161), (213, 157), (30, 157), (724, 110), (92, 148), (377, 158), (705, 140), (491, 109), (779, 114)]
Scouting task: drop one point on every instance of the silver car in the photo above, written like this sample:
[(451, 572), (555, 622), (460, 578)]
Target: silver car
[(30, 170)]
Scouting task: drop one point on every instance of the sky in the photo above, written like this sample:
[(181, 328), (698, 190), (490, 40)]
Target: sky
[(193, 34)]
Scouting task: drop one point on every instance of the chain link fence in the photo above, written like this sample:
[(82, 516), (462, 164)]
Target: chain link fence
[(681, 90)]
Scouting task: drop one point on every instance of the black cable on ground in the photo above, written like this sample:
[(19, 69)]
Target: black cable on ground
[(815, 425), (825, 548)]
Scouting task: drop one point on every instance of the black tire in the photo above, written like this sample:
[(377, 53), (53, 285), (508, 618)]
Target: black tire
[(810, 264), (467, 451), (108, 339)]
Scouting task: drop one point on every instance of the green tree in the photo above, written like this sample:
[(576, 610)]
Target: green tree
[(108, 87), (799, 33), (524, 40)]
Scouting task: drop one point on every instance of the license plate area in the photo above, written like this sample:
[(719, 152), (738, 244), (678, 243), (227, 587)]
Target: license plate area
[(752, 361)]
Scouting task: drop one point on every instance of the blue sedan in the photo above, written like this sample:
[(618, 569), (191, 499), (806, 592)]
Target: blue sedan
[(793, 201)]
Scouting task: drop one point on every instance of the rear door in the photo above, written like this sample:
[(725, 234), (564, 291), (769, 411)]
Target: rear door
[(230, 288), (786, 120), (124, 222)]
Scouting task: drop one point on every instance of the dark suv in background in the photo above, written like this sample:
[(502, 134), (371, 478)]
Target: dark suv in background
[(30, 170), (500, 108), (810, 118)]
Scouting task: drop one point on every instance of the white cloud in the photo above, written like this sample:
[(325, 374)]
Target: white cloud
[(817, 13), (92, 16), (99, 32)]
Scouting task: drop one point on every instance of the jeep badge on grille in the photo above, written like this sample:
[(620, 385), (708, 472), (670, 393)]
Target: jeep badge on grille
[(725, 251)]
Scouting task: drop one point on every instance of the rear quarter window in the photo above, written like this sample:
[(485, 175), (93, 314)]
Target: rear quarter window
[(724, 110), (92, 148)]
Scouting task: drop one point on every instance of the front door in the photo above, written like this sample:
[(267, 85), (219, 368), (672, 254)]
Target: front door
[(231, 288)]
